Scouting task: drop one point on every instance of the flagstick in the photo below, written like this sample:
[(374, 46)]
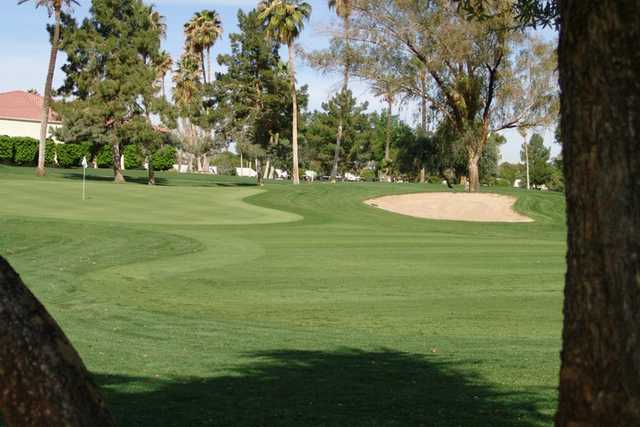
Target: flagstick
[(84, 172)]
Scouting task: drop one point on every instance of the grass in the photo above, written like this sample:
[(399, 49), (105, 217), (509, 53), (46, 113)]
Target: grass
[(208, 301)]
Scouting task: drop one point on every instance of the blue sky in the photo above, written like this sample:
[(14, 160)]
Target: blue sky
[(25, 51)]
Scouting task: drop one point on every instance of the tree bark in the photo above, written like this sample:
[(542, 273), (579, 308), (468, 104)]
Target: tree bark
[(294, 119), (118, 177), (474, 171), (599, 65), (423, 113), (44, 123), (43, 381), (345, 88), (204, 69), (151, 171)]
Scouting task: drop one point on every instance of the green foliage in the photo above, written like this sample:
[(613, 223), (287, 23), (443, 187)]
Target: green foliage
[(368, 175), (104, 157), (110, 72), (539, 167), (226, 162), (133, 157), (319, 134), (50, 152), (510, 172), (489, 160), (70, 155), (26, 150), (6, 149), (164, 158)]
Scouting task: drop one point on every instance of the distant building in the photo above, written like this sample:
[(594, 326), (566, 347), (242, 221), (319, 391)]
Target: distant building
[(21, 113)]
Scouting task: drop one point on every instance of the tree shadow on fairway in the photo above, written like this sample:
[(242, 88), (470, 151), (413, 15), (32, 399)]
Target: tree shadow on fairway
[(315, 388), (163, 181), (104, 178)]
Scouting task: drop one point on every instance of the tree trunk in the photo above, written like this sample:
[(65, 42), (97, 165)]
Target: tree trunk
[(474, 171), (259, 173), (44, 123), (43, 381), (526, 160), (423, 113), (345, 88), (164, 91), (151, 171), (209, 62), (294, 119), (204, 69), (118, 177), (387, 135), (599, 65)]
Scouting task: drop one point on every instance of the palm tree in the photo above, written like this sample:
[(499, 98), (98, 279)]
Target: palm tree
[(284, 22), (158, 22), (343, 9), (164, 64), (202, 31), (54, 7)]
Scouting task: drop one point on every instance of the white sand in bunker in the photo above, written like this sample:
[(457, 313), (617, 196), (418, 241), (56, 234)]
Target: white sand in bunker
[(478, 207)]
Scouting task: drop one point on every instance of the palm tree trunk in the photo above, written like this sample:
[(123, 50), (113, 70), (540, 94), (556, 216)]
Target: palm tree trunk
[(599, 67), (345, 88), (164, 92), (294, 119), (204, 70), (209, 62), (152, 172), (44, 123)]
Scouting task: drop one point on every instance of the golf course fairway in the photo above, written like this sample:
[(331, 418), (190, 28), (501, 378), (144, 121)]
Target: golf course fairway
[(209, 301)]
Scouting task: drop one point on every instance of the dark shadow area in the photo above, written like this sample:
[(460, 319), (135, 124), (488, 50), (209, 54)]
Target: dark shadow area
[(132, 179), (313, 388), (161, 181)]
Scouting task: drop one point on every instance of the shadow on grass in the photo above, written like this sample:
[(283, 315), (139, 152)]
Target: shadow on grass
[(160, 181), (311, 388)]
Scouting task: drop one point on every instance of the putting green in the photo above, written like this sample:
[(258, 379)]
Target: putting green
[(136, 204)]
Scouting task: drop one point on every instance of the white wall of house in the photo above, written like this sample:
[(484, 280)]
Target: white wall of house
[(14, 127)]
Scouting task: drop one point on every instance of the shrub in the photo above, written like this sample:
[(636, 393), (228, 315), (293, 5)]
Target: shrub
[(69, 155), (368, 175), (26, 150), (133, 157), (50, 153), (501, 182), (164, 158), (6, 149), (104, 158)]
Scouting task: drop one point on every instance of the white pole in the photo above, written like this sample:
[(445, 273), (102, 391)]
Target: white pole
[(84, 176)]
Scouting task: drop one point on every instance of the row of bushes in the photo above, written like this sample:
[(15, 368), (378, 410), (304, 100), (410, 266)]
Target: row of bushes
[(24, 151)]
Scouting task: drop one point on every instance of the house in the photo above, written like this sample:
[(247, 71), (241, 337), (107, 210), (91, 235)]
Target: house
[(21, 113)]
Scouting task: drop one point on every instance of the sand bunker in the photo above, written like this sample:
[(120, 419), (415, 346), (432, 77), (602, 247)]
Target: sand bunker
[(477, 207)]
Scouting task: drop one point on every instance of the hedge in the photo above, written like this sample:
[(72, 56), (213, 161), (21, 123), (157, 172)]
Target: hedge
[(164, 158), (70, 155), (6, 148), (25, 150), (104, 158), (133, 157)]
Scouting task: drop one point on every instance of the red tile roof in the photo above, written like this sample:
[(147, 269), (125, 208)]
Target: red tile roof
[(22, 105)]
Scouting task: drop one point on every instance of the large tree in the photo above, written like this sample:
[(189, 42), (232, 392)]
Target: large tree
[(284, 21), (55, 8), (599, 67), (600, 106), (110, 72), (253, 95), (469, 62)]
